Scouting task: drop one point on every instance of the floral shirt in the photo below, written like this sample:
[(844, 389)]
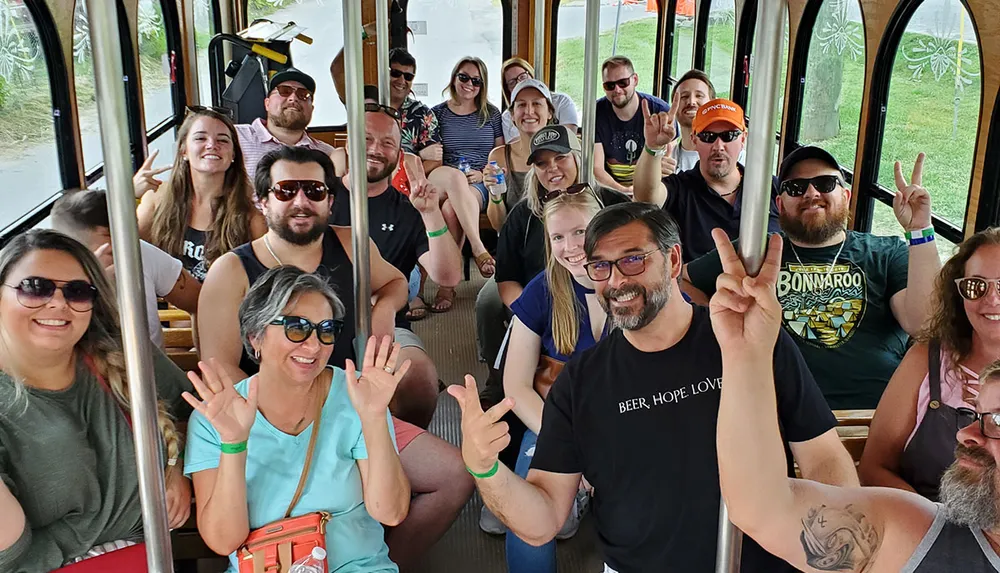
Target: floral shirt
[(419, 126)]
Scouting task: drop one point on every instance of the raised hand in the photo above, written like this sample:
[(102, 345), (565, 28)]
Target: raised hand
[(230, 414), (912, 203), (425, 197), (745, 311), (484, 436), (668, 164), (145, 178), (107, 260), (371, 392), (658, 128), (434, 152)]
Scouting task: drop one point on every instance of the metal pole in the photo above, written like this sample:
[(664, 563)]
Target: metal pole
[(618, 22), (591, 43), (539, 39), (729, 551), (359, 179), (382, 39), (108, 73)]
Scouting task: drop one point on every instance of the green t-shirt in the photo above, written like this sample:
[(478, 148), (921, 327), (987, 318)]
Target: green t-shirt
[(840, 318), (69, 459)]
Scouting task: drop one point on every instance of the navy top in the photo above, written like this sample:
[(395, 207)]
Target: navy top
[(534, 309), (463, 136), (623, 140)]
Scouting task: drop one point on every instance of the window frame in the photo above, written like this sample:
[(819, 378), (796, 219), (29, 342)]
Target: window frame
[(988, 210)]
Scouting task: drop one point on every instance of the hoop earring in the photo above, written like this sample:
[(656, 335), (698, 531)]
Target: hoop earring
[(256, 354)]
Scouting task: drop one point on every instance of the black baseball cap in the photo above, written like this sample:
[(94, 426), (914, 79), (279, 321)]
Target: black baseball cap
[(808, 152), (292, 75), (553, 138)]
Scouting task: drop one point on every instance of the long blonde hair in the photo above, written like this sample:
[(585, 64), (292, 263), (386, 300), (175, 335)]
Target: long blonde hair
[(101, 343), (231, 211), (531, 186), (483, 106), (566, 309)]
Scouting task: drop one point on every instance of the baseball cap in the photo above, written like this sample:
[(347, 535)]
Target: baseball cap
[(531, 83), (718, 110), (808, 152), (553, 138), (292, 75)]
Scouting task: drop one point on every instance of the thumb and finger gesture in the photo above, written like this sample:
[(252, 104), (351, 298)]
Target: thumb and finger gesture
[(745, 311), (912, 203), (145, 178), (658, 128), (230, 414), (484, 436)]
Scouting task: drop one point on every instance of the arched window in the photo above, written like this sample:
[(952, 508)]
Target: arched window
[(204, 29), (86, 98), (682, 56), (719, 45)]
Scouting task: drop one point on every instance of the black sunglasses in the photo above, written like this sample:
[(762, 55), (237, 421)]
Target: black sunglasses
[(622, 83), (388, 110), (401, 74), (798, 187), (466, 78), (35, 292), (298, 329), (301, 93), (629, 266), (975, 288), (711, 136), (203, 108), (288, 189), (990, 428), (571, 190)]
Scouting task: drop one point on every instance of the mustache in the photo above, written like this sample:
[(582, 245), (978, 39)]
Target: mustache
[(611, 292), (377, 157), (300, 211), (718, 155), (976, 454), (818, 202)]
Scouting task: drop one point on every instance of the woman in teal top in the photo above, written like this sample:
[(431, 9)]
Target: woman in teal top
[(247, 442)]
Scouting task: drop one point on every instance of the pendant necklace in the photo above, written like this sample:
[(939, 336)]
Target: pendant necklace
[(270, 250), (829, 271)]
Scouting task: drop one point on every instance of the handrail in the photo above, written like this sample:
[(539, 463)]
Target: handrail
[(591, 44)]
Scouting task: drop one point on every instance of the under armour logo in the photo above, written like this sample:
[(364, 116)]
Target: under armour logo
[(387, 227)]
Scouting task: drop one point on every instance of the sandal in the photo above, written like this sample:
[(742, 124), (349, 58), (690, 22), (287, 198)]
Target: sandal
[(417, 311), (486, 263), (444, 300)]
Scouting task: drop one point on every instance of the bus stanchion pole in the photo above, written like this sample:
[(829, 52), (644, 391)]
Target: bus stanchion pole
[(539, 40), (729, 552), (382, 38), (591, 43), (108, 72), (359, 180)]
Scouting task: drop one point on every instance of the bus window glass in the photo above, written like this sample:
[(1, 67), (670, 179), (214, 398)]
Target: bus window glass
[(29, 163), (884, 224), (635, 35), (783, 71), (203, 32), (835, 73), (681, 54), (720, 45), (167, 147), (83, 79), (154, 64), (933, 105)]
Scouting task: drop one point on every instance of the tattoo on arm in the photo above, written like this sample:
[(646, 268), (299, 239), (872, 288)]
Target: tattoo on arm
[(839, 539)]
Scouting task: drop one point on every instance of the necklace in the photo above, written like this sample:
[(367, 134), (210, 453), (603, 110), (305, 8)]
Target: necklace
[(829, 271), (270, 250)]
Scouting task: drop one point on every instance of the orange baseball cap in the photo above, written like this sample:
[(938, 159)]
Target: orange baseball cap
[(718, 110)]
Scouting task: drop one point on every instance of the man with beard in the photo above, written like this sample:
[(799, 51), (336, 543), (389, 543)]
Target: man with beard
[(289, 106), (849, 298), (636, 415), (848, 529), (711, 194), (619, 138)]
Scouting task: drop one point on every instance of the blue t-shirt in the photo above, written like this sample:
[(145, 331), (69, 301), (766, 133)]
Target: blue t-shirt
[(354, 540), (462, 136), (534, 309), (623, 140)]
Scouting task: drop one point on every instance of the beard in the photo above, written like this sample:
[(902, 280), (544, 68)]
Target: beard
[(626, 99), (374, 174), (653, 303), (969, 495), (289, 118), (720, 171), (280, 225), (813, 231)]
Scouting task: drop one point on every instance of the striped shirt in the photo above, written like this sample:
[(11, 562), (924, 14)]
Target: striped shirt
[(462, 136), (256, 141)]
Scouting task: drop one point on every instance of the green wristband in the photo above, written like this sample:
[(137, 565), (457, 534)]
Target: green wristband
[(495, 202), (489, 474), (237, 448), (438, 233)]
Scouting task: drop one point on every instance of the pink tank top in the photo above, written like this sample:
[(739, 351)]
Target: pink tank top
[(951, 389)]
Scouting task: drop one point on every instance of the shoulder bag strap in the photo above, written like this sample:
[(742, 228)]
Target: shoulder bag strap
[(309, 452), (934, 372)]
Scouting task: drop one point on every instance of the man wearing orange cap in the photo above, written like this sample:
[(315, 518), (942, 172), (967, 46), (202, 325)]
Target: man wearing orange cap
[(711, 194)]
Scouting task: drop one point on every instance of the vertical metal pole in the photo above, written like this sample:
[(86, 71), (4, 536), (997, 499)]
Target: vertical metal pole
[(108, 73), (382, 39), (618, 23), (729, 552), (591, 43), (539, 29), (359, 180)]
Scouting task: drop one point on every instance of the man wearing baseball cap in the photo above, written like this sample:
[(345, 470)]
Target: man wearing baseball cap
[(289, 105), (849, 298), (711, 194)]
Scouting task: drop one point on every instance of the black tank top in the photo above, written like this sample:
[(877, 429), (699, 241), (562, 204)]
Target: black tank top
[(336, 268), (948, 548), (193, 253)]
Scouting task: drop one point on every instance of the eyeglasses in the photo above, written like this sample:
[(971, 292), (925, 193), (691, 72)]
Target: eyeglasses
[(571, 190), (512, 83), (798, 187), (629, 266), (401, 74), (466, 78), (298, 329), (203, 108), (388, 110), (989, 422), (622, 83), (301, 93), (35, 292), (288, 189), (975, 288), (711, 136)]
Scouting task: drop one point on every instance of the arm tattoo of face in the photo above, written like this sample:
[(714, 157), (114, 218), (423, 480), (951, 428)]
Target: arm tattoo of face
[(839, 539)]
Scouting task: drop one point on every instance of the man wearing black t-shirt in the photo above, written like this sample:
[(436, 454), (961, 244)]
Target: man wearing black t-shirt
[(636, 415)]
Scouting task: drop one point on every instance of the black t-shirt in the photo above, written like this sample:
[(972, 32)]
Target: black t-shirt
[(521, 245), (698, 209), (641, 428)]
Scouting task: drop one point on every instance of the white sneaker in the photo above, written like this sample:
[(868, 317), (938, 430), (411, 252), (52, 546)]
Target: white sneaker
[(572, 524), (489, 522)]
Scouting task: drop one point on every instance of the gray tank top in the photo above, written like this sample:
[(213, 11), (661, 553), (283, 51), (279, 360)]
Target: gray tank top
[(949, 548), (515, 187)]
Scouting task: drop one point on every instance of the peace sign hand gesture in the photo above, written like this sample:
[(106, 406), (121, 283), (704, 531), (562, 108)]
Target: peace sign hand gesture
[(145, 178), (745, 311), (658, 128), (230, 414), (484, 436), (425, 197), (371, 392), (912, 203)]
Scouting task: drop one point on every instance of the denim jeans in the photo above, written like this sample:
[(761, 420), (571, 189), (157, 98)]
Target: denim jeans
[(414, 286), (522, 557)]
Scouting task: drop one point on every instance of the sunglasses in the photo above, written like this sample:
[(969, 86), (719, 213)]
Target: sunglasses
[(512, 83), (711, 136), (301, 93), (798, 187), (401, 74), (571, 190), (975, 288), (298, 329), (203, 108), (35, 292), (466, 78), (629, 266), (388, 110), (287, 190), (989, 422), (622, 83)]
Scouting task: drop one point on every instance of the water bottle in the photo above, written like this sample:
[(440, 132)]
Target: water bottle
[(500, 187), (312, 563), (463, 165)]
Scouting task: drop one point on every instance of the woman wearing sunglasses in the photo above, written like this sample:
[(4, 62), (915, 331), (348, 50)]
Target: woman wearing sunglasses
[(206, 208), (69, 489), (912, 438), (248, 441)]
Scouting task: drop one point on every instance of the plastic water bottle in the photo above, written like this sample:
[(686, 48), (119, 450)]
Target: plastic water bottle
[(312, 563), (463, 165), (500, 187)]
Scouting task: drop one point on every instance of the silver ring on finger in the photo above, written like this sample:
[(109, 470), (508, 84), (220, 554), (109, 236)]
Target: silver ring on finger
[(389, 369)]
